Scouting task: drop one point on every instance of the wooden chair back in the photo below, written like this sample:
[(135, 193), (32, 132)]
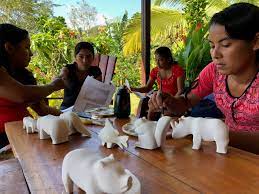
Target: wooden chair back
[(107, 65)]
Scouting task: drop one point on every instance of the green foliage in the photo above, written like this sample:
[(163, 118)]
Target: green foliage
[(127, 68), (195, 11), (195, 54), (24, 13), (52, 47)]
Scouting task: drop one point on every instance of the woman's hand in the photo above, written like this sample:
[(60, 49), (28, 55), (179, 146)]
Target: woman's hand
[(172, 105), (155, 102), (64, 73), (58, 83), (131, 89)]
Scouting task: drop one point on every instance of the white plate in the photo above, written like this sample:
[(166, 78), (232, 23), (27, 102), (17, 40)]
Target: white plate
[(129, 129), (101, 112)]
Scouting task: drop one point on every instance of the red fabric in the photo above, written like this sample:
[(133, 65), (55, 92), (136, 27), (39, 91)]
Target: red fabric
[(169, 84), (11, 111), (245, 108)]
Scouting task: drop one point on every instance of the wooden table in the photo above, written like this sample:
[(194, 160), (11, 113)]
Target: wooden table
[(175, 168)]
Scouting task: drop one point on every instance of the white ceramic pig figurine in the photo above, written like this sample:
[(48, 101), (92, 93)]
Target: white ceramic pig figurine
[(53, 127), (110, 136), (152, 134), (30, 125), (74, 123), (97, 175), (137, 122), (206, 129)]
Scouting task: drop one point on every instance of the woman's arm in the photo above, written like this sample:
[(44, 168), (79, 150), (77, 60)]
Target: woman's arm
[(17, 92), (180, 85), (145, 89), (42, 109)]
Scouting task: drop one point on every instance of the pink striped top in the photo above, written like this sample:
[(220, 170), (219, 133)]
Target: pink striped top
[(242, 113)]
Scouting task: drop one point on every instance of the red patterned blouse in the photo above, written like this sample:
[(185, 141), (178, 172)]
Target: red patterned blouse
[(242, 113), (169, 84)]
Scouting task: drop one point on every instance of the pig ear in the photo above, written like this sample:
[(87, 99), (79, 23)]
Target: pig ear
[(103, 162), (108, 123), (111, 157), (174, 123), (177, 120), (182, 118)]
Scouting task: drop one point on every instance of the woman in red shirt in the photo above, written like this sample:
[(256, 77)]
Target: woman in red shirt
[(15, 55), (168, 74), (168, 70), (232, 76)]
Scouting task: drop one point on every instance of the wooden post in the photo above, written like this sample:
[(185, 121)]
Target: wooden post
[(145, 27)]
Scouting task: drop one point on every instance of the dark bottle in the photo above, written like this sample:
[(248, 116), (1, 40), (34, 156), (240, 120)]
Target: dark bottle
[(122, 103)]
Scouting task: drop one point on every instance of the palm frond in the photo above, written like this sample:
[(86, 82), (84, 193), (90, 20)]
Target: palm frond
[(132, 35), (215, 6), (163, 22), (162, 19), (169, 3)]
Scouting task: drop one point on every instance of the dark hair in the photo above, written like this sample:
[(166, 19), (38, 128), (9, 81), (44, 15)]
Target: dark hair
[(12, 34), (165, 52), (241, 21), (84, 45)]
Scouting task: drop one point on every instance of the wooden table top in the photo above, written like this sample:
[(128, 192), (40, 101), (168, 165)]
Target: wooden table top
[(175, 168)]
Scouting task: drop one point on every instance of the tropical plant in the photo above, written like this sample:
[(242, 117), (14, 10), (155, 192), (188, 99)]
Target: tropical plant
[(159, 20), (195, 53), (52, 46)]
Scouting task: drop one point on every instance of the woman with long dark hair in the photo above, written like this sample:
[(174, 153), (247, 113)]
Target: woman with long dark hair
[(76, 72), (232, 76), (17, 88)]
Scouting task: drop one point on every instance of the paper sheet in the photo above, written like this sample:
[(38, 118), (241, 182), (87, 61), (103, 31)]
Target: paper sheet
[(69, 109), (138, 94), (93, 94), (127, 85)]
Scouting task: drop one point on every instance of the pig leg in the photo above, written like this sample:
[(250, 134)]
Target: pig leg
[(68, 183), (43, 134), (221, 147), (196, 141)]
